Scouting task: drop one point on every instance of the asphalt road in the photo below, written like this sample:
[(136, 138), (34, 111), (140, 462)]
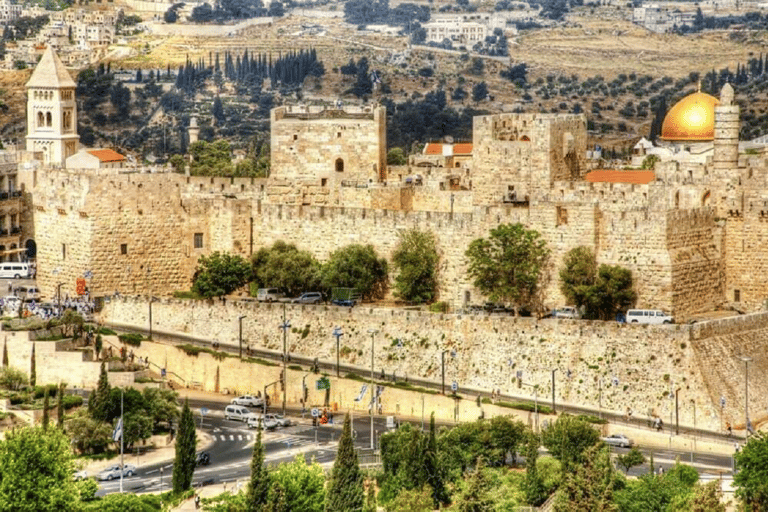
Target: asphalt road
[(232, 447)]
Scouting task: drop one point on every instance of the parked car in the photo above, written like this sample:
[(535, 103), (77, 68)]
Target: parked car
[(238, 413), (113, 472), (79, 475), (203, 459), (248, 401), (618, 440), (27, 293), (265, 422), (648, 316), (347, 303), (309, 298), (268, 295), (567, 312), (281, 420)]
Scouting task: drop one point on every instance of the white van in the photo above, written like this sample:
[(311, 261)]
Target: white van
[(268, 295), (238, 413), (648, 316), (14, 270)]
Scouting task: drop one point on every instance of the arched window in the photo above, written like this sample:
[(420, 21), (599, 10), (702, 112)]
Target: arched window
[(48, 119), (339, 165), (677, 199), (40, 119)]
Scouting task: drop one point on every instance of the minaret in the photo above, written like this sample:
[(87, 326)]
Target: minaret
[(52, 111), (194, 130), (726, 143)]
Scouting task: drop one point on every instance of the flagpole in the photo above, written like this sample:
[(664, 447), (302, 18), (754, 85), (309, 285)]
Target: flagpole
[(122, 466)]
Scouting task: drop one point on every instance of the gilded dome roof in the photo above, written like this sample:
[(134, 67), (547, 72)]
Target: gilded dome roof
[(692, 118)]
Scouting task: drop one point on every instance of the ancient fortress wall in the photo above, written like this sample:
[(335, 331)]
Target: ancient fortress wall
[(616, 365)]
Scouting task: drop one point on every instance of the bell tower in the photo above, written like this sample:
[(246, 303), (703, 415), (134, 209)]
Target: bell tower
[(52, 111)]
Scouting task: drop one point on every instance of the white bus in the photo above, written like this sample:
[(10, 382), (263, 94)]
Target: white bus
[(14, 270)]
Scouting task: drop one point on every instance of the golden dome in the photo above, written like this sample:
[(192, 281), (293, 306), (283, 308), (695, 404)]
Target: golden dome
[(691, 119)]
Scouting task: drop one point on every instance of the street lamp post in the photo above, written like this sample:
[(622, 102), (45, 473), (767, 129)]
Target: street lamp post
[(58, 294), (554, 411), (285, 326), (677, 415), (694, 428), (240, 335), (746, 360), (338, 334), (442, 366), (373, 390)]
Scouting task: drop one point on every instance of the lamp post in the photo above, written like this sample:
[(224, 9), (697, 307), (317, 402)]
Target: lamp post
[(677, 415), (240, 336), (746, 360), (373, 390), (338, 334), (554, 411), (151, 300), (58, 294), (694, 428), (285, 326), (442, 366)]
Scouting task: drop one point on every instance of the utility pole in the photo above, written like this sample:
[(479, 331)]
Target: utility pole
[(240, 321), (338, 334), (373, 389), (285, 326), (554, 411)]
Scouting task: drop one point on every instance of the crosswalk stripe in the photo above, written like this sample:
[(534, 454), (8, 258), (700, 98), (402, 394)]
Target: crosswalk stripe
[(239, 437), (231, 437)]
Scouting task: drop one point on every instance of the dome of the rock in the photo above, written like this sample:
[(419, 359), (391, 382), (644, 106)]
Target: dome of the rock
[(691, 119)]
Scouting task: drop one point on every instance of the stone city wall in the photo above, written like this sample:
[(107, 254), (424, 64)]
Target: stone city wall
[(614, 366)]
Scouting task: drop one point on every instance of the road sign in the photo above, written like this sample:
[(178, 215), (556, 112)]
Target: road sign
[(362, 393), (163, 373), (323, 383), (722, 401), (454, 386), (203, 411), (315, 412)]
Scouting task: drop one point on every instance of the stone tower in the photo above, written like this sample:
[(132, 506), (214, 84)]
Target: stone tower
[(726, 142), (193, 130), (52, 111)]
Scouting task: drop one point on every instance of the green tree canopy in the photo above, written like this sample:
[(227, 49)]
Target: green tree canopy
[(416, 261), (578, 274), (211, 158), (751, 479), (285, 267), (356, 266), (219, 274), (36, 471), (186, 446), (258, 487), (302, 485), (589, 486), (507, 265), (396, 156), (568, 439), (612, 293), (670, 491), (345, 486)]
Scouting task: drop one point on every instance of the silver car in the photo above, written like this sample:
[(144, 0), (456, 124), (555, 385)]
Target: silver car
[(619, 440), (113, 472), (279, 419), (248, 401)]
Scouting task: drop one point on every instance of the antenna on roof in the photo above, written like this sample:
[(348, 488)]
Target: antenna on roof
[(448, 139)]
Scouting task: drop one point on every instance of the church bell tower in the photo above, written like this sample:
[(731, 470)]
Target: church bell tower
[(52, 111)]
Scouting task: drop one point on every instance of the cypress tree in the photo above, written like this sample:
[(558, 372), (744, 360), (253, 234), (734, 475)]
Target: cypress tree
[(60, 407), (186, 444), (32, 371), (46, 403), (100, 396), (345, 487), (256, 497), (476, 498), (432, 467), (5, 354), (535, 493)]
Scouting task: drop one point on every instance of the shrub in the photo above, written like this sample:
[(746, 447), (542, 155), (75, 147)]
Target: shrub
[(130, 338), (39, 391), (71, 401), (107, 331), (439, 307)]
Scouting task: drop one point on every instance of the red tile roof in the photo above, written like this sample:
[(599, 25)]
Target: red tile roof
[(107, 155), (433, 148), (614, 176), (462, 149)]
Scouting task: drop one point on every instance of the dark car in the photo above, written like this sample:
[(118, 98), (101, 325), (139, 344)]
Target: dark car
[(348, 303), (203, 459), (309, 298)]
